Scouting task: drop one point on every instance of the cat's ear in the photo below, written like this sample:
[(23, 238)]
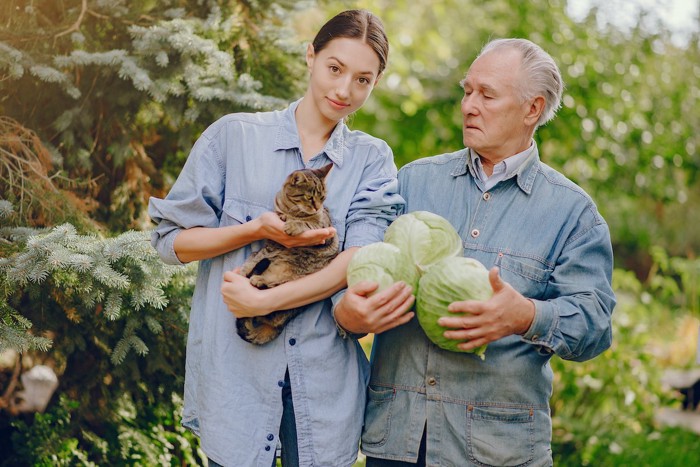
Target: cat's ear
[(323, 171), (297, 177)]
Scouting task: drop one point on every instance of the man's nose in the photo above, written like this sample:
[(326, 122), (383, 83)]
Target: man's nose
[(469, 105)]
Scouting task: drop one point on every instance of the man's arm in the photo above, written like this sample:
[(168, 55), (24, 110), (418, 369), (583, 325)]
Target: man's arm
[(573, 319)]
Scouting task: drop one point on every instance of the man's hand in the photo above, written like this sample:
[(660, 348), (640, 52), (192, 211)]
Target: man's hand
[(242, 298), (506, 312), (272, 227), (359, 313)]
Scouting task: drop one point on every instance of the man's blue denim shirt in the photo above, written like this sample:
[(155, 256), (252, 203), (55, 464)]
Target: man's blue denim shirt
[(233, 388), (551, 244)]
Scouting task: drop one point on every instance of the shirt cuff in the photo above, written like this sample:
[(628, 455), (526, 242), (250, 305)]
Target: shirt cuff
[(363, 233), (543, 325), (165, 247)]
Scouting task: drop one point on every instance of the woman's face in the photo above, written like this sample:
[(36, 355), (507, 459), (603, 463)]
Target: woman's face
[(343, 75)]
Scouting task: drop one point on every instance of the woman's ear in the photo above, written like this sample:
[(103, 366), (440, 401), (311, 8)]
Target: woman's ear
[(376, 81), (310, 55)]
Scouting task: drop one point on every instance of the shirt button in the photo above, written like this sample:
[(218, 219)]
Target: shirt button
[(248, 218), (432, 381), (280, 383), (292, 341), (475, 233), (270, 437), (487, 196), (267, 448)]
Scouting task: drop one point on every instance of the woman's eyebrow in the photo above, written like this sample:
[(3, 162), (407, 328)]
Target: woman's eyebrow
[(342, 64)]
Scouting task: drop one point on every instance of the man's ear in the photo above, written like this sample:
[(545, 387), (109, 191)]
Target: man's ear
[(310, 56), (535, 109)]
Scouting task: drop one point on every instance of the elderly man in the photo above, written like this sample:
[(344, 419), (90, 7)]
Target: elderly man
[(550, 260)]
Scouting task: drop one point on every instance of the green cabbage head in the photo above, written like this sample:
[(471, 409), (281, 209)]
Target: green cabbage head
[(453, 279), (427, 237), (383, 263)]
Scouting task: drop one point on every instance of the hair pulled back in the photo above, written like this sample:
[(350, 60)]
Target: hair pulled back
[(355, 24)]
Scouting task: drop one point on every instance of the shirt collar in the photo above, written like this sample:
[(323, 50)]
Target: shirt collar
[(524, 167), (288, 136)]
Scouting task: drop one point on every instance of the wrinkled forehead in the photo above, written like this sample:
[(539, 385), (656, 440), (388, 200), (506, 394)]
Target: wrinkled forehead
[(496, 68)]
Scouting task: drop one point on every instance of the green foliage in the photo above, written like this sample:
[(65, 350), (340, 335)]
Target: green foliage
[(628, 131), (153, 437), (47, 441), (121, 89), (100, 303), (604, 406)]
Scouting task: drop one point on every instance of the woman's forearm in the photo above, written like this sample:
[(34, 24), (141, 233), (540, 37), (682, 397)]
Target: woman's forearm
[(200, 243), (312, 288)]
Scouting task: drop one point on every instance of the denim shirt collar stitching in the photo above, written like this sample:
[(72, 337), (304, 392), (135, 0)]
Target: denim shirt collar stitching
[(288, 136), (462, 165), (527, 172)]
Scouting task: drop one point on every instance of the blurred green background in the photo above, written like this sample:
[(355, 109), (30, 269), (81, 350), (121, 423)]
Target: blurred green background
[(100, 103)]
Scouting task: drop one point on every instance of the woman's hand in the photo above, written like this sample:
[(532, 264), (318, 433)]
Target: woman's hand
[(272, 227), (243, 299)]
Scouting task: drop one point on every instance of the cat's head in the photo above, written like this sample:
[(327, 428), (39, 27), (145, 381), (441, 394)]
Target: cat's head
[(303, 192)]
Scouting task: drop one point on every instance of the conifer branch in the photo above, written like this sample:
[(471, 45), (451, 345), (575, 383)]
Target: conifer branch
[(76, 25)]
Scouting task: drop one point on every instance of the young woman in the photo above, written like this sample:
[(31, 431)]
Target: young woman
[(306, 387)]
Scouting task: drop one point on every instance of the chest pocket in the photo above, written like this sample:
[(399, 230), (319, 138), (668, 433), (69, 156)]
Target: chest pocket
[(238, 212), (527, 276)]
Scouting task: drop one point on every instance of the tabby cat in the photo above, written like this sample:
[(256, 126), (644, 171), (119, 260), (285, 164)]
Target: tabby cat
[(300, 205)]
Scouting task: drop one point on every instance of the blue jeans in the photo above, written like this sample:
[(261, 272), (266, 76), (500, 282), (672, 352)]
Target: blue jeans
[(288, 427), (288, 430)]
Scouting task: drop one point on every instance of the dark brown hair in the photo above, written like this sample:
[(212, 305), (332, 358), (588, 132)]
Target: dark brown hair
[(355, 24)]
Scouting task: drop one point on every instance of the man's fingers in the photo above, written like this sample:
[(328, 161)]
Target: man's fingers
[(392, 323), (364, 288), (495, 280)]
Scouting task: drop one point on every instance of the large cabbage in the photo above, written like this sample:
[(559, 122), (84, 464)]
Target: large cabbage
[(427, 237), (383, 263), (453, 279)]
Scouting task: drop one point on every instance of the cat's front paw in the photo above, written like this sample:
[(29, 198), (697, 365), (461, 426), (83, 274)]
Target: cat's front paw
[(294, 228), (258, 282)]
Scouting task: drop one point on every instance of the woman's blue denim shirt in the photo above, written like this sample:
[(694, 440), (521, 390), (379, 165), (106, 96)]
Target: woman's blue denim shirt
[(233, 388), (551, 244)]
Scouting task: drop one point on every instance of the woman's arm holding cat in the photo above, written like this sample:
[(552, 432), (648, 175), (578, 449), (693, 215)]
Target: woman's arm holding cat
[(244, 300), (200, 243)]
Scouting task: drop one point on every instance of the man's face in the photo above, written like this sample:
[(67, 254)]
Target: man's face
[(494, 116)]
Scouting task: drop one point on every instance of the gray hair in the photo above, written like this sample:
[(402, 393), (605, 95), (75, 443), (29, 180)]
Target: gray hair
[(541, 74)]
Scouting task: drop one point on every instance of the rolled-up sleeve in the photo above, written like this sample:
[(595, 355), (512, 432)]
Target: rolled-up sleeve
[(575, 323), (195, 199), (376, 202)]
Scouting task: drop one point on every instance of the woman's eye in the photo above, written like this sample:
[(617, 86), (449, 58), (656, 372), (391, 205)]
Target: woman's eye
[(334, 69), (364, 81)]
